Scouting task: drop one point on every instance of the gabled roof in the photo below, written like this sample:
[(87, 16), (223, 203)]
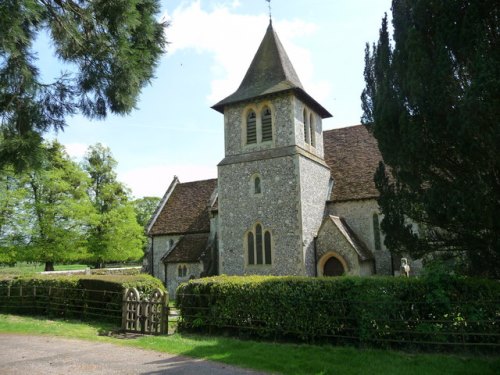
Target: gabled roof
[(353, 156), (270, 72), (189, 249), (185, 209), (359, 246)]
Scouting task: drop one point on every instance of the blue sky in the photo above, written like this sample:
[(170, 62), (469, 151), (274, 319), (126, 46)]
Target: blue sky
[(175, 132)]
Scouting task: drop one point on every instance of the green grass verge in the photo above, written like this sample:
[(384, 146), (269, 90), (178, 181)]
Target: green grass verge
[(29, 268), (265, 356)]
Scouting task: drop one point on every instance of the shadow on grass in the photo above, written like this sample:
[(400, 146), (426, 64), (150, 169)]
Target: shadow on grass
[(263, 356)]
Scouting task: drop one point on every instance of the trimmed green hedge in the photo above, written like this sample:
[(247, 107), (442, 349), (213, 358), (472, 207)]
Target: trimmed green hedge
[(80, 297), (377, 311)]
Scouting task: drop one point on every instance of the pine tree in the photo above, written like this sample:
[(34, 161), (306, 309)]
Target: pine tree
[(433, 96), (112, 48)]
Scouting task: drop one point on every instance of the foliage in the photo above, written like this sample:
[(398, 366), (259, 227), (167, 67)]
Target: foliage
[(433, 97), (115, 235), (379, 312), (12, 220), (144, 209), (59, 209), (92, 297), (111, 48)]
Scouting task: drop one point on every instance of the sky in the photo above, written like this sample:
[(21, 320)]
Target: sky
[(174, 131)]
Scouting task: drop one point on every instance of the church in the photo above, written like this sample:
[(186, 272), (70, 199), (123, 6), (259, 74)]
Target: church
[(290, 198)]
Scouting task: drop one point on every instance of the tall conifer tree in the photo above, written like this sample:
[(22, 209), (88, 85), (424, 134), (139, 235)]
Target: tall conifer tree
[(433, 96)]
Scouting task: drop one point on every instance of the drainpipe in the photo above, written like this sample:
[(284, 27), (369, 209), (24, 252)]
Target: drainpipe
[(152, 256), (315, 257)]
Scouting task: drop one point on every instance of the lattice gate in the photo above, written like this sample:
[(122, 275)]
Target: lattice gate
[(146, 314)]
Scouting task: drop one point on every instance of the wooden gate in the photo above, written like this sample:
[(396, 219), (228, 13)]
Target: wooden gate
[(146, 314)]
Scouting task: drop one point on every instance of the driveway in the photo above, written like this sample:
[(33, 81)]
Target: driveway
[(44, 355)]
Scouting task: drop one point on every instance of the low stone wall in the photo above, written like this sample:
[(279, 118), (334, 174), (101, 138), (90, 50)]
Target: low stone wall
[(97, 271)]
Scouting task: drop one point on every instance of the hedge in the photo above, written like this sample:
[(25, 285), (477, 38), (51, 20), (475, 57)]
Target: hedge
[(80, 297), (375, 312)]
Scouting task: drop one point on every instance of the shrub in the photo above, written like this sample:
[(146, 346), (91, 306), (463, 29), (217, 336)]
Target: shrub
[(378, 311), (81, 297)]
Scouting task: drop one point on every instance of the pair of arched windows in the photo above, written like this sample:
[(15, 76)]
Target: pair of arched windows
[(182, 271), (266, 127), (259, 246), (309, 128)]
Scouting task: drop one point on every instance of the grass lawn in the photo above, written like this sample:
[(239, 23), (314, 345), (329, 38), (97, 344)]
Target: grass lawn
[(266, 356), (29, 268)]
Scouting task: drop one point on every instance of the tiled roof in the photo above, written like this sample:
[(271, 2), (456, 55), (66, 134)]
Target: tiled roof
[(353, 156), (186, 210), (189, 249), (361, 249), (270, 72)]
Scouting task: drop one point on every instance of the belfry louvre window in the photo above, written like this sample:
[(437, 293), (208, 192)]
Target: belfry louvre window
[(251, 128), (259, 251), (267, 125), (313, 132), (306, 126)]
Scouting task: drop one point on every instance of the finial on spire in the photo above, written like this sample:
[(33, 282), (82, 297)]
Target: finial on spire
[(270, 15)]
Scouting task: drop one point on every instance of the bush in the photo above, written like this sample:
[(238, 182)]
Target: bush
[(81, 297), (378, 311)]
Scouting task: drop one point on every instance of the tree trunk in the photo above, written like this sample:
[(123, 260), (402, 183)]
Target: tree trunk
[(49, 266)]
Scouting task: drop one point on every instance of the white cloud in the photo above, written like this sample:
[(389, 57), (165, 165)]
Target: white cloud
[(233, 39), (153, 180), (76, 150)]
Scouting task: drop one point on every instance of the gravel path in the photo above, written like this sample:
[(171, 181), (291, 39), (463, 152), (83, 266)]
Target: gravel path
[(33, 355)]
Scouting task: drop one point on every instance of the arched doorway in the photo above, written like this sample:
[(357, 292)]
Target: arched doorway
[(333, 267)]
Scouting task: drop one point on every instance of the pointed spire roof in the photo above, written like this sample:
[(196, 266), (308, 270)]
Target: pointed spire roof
[(270, 72)]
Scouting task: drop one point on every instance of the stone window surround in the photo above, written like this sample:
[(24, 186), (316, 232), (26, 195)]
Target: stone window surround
[(331, 254), (252, 185), (245, 242), (309, 122), (180, 271), (258, 109)]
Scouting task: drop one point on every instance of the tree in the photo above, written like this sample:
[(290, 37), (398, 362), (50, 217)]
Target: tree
[(112, 48), (115, 235), (59, 208), (12, 219), (433, 97), (144, 209)]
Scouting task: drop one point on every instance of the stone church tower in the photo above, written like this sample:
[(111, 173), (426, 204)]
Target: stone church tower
[(273, 181)]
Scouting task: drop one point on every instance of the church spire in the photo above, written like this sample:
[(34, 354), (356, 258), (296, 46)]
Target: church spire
[(270, 72)]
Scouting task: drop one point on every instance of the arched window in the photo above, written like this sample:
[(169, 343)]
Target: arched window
[(267, 247), (184, 271), (267, 125), (260, 250), (376, 232), (251, 248), (258, 243), (251, 128), (313, 130), (306, 126), (256, 185)]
